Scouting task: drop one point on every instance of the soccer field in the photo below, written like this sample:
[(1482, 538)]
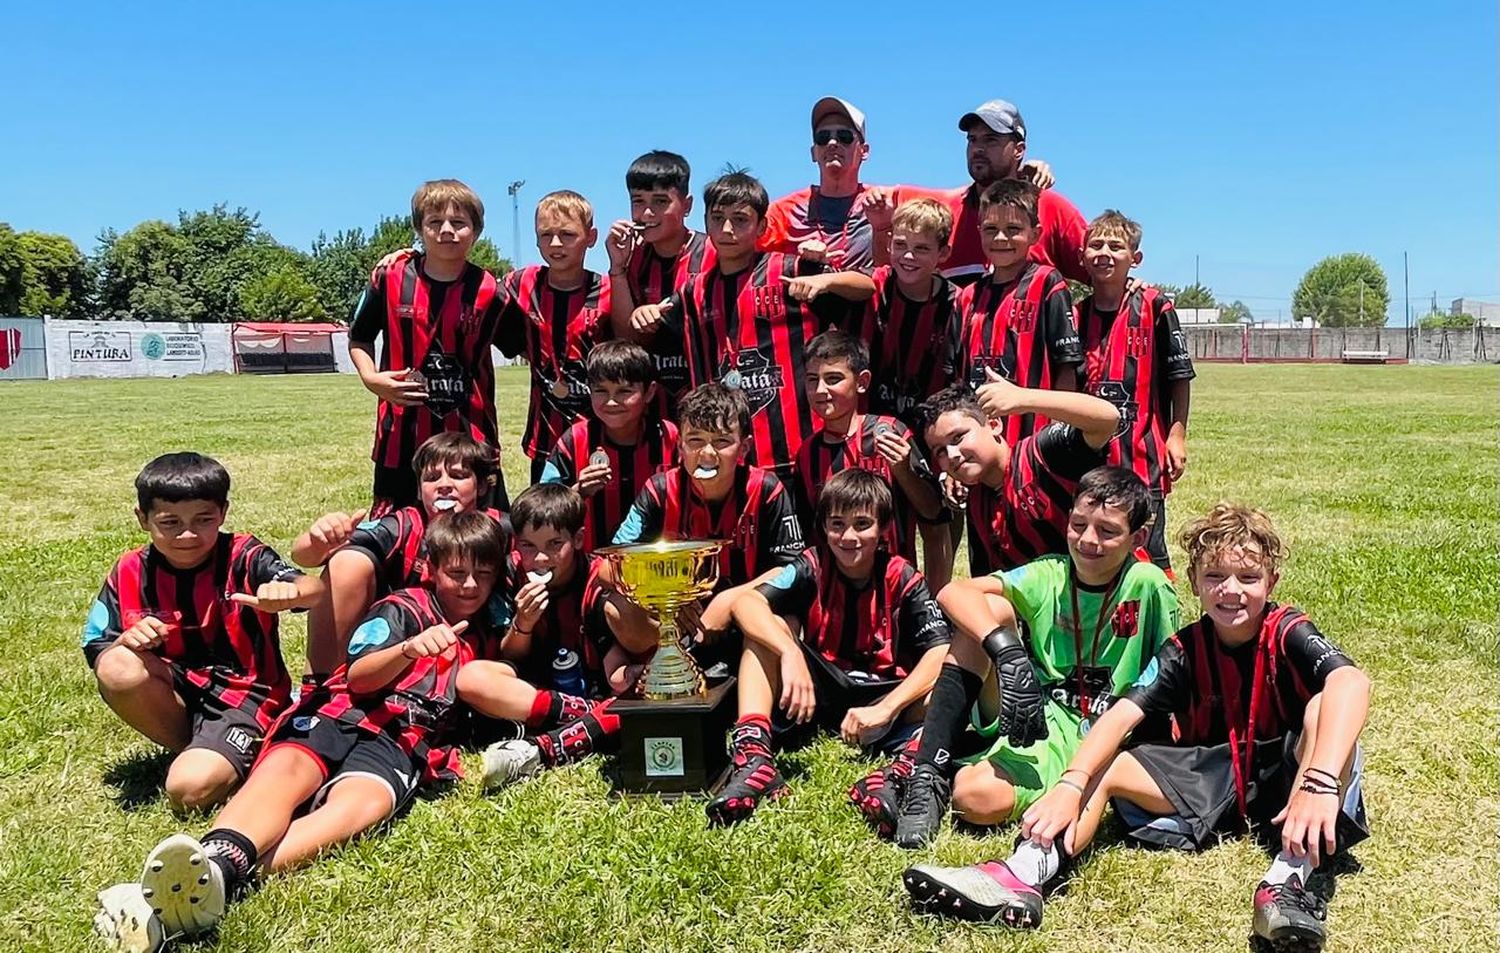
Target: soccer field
[(1383, 480)]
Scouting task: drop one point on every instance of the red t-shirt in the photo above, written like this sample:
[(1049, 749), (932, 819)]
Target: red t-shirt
[(1062, 227)]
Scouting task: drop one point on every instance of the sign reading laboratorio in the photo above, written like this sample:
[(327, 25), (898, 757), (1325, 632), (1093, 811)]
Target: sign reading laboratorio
[(98, 347), (172, 346)]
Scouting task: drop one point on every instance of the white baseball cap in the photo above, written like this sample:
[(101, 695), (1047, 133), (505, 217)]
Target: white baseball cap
[(842, 107)]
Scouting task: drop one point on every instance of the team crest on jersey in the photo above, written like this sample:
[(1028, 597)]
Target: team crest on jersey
[(760, 379), (405, 311), (1033, 502), (1023, 317), (1138, 341), (1126, 620), (468, 319), (767, 303)]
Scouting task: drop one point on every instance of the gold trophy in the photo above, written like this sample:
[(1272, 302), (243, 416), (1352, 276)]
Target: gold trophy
[(662, 577)]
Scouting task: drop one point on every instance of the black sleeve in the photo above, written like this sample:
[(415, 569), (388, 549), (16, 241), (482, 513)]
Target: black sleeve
[(262, 564), (510, 325), (103, 624), (561, 461), (780, 530), (1065, 452), (1312, 655), (1165, 687), (1063, 346), (387, 624), (674, 311), (378, 539), (1172, 353), (791, 591), (369, 312), (919, 621)]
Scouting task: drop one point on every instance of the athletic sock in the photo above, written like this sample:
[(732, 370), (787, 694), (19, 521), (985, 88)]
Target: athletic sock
[(907, 759), (555, 708), (1285, 865), (955, 691), (233, 853), (581, 738), (751, 737), (1034, 865)]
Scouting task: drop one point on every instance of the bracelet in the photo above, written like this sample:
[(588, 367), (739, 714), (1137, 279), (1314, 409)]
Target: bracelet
[(1076, 787), (1311, 786), (519, 631), (404, 644), (1086, 776), (1332, 778)]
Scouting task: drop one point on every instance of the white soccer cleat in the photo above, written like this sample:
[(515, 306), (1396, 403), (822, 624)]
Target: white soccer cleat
[(184, 888), (125, 921), (506, 762)]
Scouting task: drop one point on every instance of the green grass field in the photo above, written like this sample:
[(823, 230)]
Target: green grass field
[(1384, 480)]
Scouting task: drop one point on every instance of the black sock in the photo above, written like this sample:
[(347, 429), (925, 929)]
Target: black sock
[(234, 855), (954, 693), (593, 733)]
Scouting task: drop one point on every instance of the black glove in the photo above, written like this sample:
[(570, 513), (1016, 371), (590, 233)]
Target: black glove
[(1023, 719)]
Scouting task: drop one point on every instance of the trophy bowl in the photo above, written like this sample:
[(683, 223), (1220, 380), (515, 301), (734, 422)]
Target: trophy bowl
[(662, 577)]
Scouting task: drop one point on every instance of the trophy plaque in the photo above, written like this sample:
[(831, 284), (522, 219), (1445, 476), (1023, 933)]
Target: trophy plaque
[(672, 739)]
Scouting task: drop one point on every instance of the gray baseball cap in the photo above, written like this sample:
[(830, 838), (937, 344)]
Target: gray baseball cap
[(999, 115), (834, 106)]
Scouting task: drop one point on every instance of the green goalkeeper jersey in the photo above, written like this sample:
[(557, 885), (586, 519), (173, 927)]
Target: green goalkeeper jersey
[(1089, 645)]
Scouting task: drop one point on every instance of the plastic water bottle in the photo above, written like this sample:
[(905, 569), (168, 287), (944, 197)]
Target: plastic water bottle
[(567, 673)]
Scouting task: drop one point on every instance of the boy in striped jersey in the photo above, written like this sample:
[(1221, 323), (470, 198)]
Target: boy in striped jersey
[(338, 764)]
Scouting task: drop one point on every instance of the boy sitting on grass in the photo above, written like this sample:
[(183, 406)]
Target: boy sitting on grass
[(1268, 713), (846, 637), (183, 637), (368, 559), (609, 457), (337, 765)]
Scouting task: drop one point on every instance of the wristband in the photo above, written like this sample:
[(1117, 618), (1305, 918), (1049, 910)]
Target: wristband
[(518, 630), (1070, 784), (1086, 776), (1311, 786), (404, 644)]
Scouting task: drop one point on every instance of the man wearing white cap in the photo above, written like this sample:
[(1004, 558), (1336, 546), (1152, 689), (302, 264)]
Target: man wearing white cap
[(826, 222), (997, 150)]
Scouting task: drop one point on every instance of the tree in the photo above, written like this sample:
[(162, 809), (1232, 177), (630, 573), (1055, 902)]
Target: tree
[(54, 276), (1195, 296), (281, 295), (1443, 319), (1236, 312), (487, 256), (142, 274), (339, 269), (1343, 291), (12, 270)]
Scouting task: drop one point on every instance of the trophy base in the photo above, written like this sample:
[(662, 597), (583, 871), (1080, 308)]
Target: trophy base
[(674, 747)]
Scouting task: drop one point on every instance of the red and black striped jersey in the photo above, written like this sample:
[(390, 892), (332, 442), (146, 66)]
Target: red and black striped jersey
[(1027, 516), (820, 459), (444, 331), (881, 628), (1132, 357), (1206, 686), (630, 467), (839, 222), (225, 649), (757, 520), (554, 330), (908, 343), (416, 709), (1060, 240), (653, 277), (395, 544), (744, 328), (574, 619), (1023, 330)]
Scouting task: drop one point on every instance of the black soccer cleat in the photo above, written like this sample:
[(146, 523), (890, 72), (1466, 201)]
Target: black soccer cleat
[(1289, 919), (983, 893), (877, 796), (755, 779), (924, 801)]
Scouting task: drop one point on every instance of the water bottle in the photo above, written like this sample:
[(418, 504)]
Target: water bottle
[(567, 673)]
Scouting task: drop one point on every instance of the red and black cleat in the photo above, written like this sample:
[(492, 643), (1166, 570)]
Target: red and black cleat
[(877, 796), (753, 781)]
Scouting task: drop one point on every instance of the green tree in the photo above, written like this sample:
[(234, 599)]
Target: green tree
[(339, 267), (1343, 291), (487, 256), (281, 295), (1236, 312), (1444, 319), (1195, 296), (12, 271), (143, 274), (54, 277)]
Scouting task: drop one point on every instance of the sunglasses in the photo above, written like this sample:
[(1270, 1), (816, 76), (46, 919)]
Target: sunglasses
[(824, 136)]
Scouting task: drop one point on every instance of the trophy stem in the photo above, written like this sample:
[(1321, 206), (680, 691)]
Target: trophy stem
[(671, 672)]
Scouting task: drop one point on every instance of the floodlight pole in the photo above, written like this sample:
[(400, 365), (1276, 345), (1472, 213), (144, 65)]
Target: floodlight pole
[(514, 191), (1406, 282)]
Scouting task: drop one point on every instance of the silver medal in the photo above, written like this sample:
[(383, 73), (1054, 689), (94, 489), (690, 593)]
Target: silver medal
[(599, 458), (733, 379), (559, 388)]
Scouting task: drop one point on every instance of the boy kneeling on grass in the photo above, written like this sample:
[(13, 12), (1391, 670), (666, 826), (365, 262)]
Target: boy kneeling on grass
[(1269, 713), (847, 637), (183, 636), (338, 763)]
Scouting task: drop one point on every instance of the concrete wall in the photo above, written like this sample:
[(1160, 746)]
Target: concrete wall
[(1444, 345)]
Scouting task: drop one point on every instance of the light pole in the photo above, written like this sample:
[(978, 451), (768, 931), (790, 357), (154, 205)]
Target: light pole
[(514, 190)]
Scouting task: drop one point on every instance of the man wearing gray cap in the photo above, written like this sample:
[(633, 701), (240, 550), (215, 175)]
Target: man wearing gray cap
[(997, 150), (826, 222)]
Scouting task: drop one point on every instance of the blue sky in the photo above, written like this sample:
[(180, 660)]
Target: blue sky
[(1258, 137)]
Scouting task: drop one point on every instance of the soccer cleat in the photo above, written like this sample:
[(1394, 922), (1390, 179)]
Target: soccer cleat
[(506, 762), (985, 893), (754, 779), (184, 888), (877, 796), (924, 801), (126, 922), (1289, 919)]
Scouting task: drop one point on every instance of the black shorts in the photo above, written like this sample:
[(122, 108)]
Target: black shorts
[(837, 691), (395, 487), (538, 464), (1199, 781), (232, 733), (1156, 541), (345, 751)]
